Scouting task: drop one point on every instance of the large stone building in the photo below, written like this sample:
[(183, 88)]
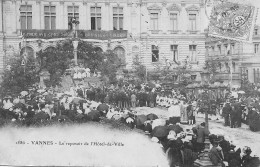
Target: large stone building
[(237, 59), (155, 30)]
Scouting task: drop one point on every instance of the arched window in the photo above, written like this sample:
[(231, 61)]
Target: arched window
[(120, 52), (49, 49), (27, 52), (98, 49)]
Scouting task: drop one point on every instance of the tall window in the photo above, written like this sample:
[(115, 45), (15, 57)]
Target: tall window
[(192, 22), (174, 21), (73, 12), (232, 48), (95, 18), (226, 49), (193, 53), (219, 49), (118, 18), (174, 49), (255, 31), (256, 75), (154, 21), (50, 17), (26, 16), (213, 50), (256, 47), (155, 53)]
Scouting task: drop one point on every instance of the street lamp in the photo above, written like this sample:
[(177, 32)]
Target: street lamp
[(204, 159), (205, 76)]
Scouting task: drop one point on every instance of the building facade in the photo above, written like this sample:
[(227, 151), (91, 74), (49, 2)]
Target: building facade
[(240, 60), (156, 30)]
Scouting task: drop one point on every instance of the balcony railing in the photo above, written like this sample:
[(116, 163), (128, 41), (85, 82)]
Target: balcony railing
[(173, 31)]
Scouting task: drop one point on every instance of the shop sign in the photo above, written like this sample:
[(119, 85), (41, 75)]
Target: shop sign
[(82, 34)]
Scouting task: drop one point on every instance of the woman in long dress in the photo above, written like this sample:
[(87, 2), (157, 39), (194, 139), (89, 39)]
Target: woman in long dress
[(184, 114)]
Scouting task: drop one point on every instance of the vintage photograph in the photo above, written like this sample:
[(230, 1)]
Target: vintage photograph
[(130, 83)]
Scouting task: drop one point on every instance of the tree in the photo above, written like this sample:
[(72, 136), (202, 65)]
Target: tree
[(109, 66), (57, 60), (139, 69), (21, 75), (213, 68)]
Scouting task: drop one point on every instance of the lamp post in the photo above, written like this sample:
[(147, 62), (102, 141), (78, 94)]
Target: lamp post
[(204, 159), (205, 85), (75, 40)]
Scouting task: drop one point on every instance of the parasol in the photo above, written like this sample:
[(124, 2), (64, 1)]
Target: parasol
[(94, 115), (102, 107), (24, 93), (19, 105), (151, 116), (140, 119), (176, 128), (116, 117), (241, 92), (160, 131)]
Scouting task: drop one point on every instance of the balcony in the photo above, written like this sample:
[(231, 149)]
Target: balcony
[(174, 31), (155, 31), (226, 76), (193, 31)]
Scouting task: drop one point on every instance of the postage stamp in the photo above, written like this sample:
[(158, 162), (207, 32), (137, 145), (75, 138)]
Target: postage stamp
[(232, 20)]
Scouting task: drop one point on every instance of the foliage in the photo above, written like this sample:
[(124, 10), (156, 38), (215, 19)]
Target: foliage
[(212, 67), (109, 66), (19, 77), (139, 69), (57, 60), (91, 57)]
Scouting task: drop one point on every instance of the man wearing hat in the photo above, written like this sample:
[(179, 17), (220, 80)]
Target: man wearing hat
[(202, 132), (215, 155), (226, 111)]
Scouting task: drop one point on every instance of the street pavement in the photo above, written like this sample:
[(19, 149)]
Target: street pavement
[(241, 137)]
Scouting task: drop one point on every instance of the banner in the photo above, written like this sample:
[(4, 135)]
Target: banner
[(82, 34)]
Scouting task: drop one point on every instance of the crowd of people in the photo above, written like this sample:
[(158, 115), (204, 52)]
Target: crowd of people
[(242, 110), (182, 146)]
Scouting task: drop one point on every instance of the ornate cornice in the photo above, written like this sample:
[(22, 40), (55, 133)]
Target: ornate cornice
[(192, 8), (174, 7), (164, 4), (154, 7), (38, 2)]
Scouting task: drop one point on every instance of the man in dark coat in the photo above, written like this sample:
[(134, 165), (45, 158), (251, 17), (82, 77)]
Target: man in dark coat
[(239, 115), (226, 113), (215, 155), (188, 156), (233, 116), (202, 132)]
